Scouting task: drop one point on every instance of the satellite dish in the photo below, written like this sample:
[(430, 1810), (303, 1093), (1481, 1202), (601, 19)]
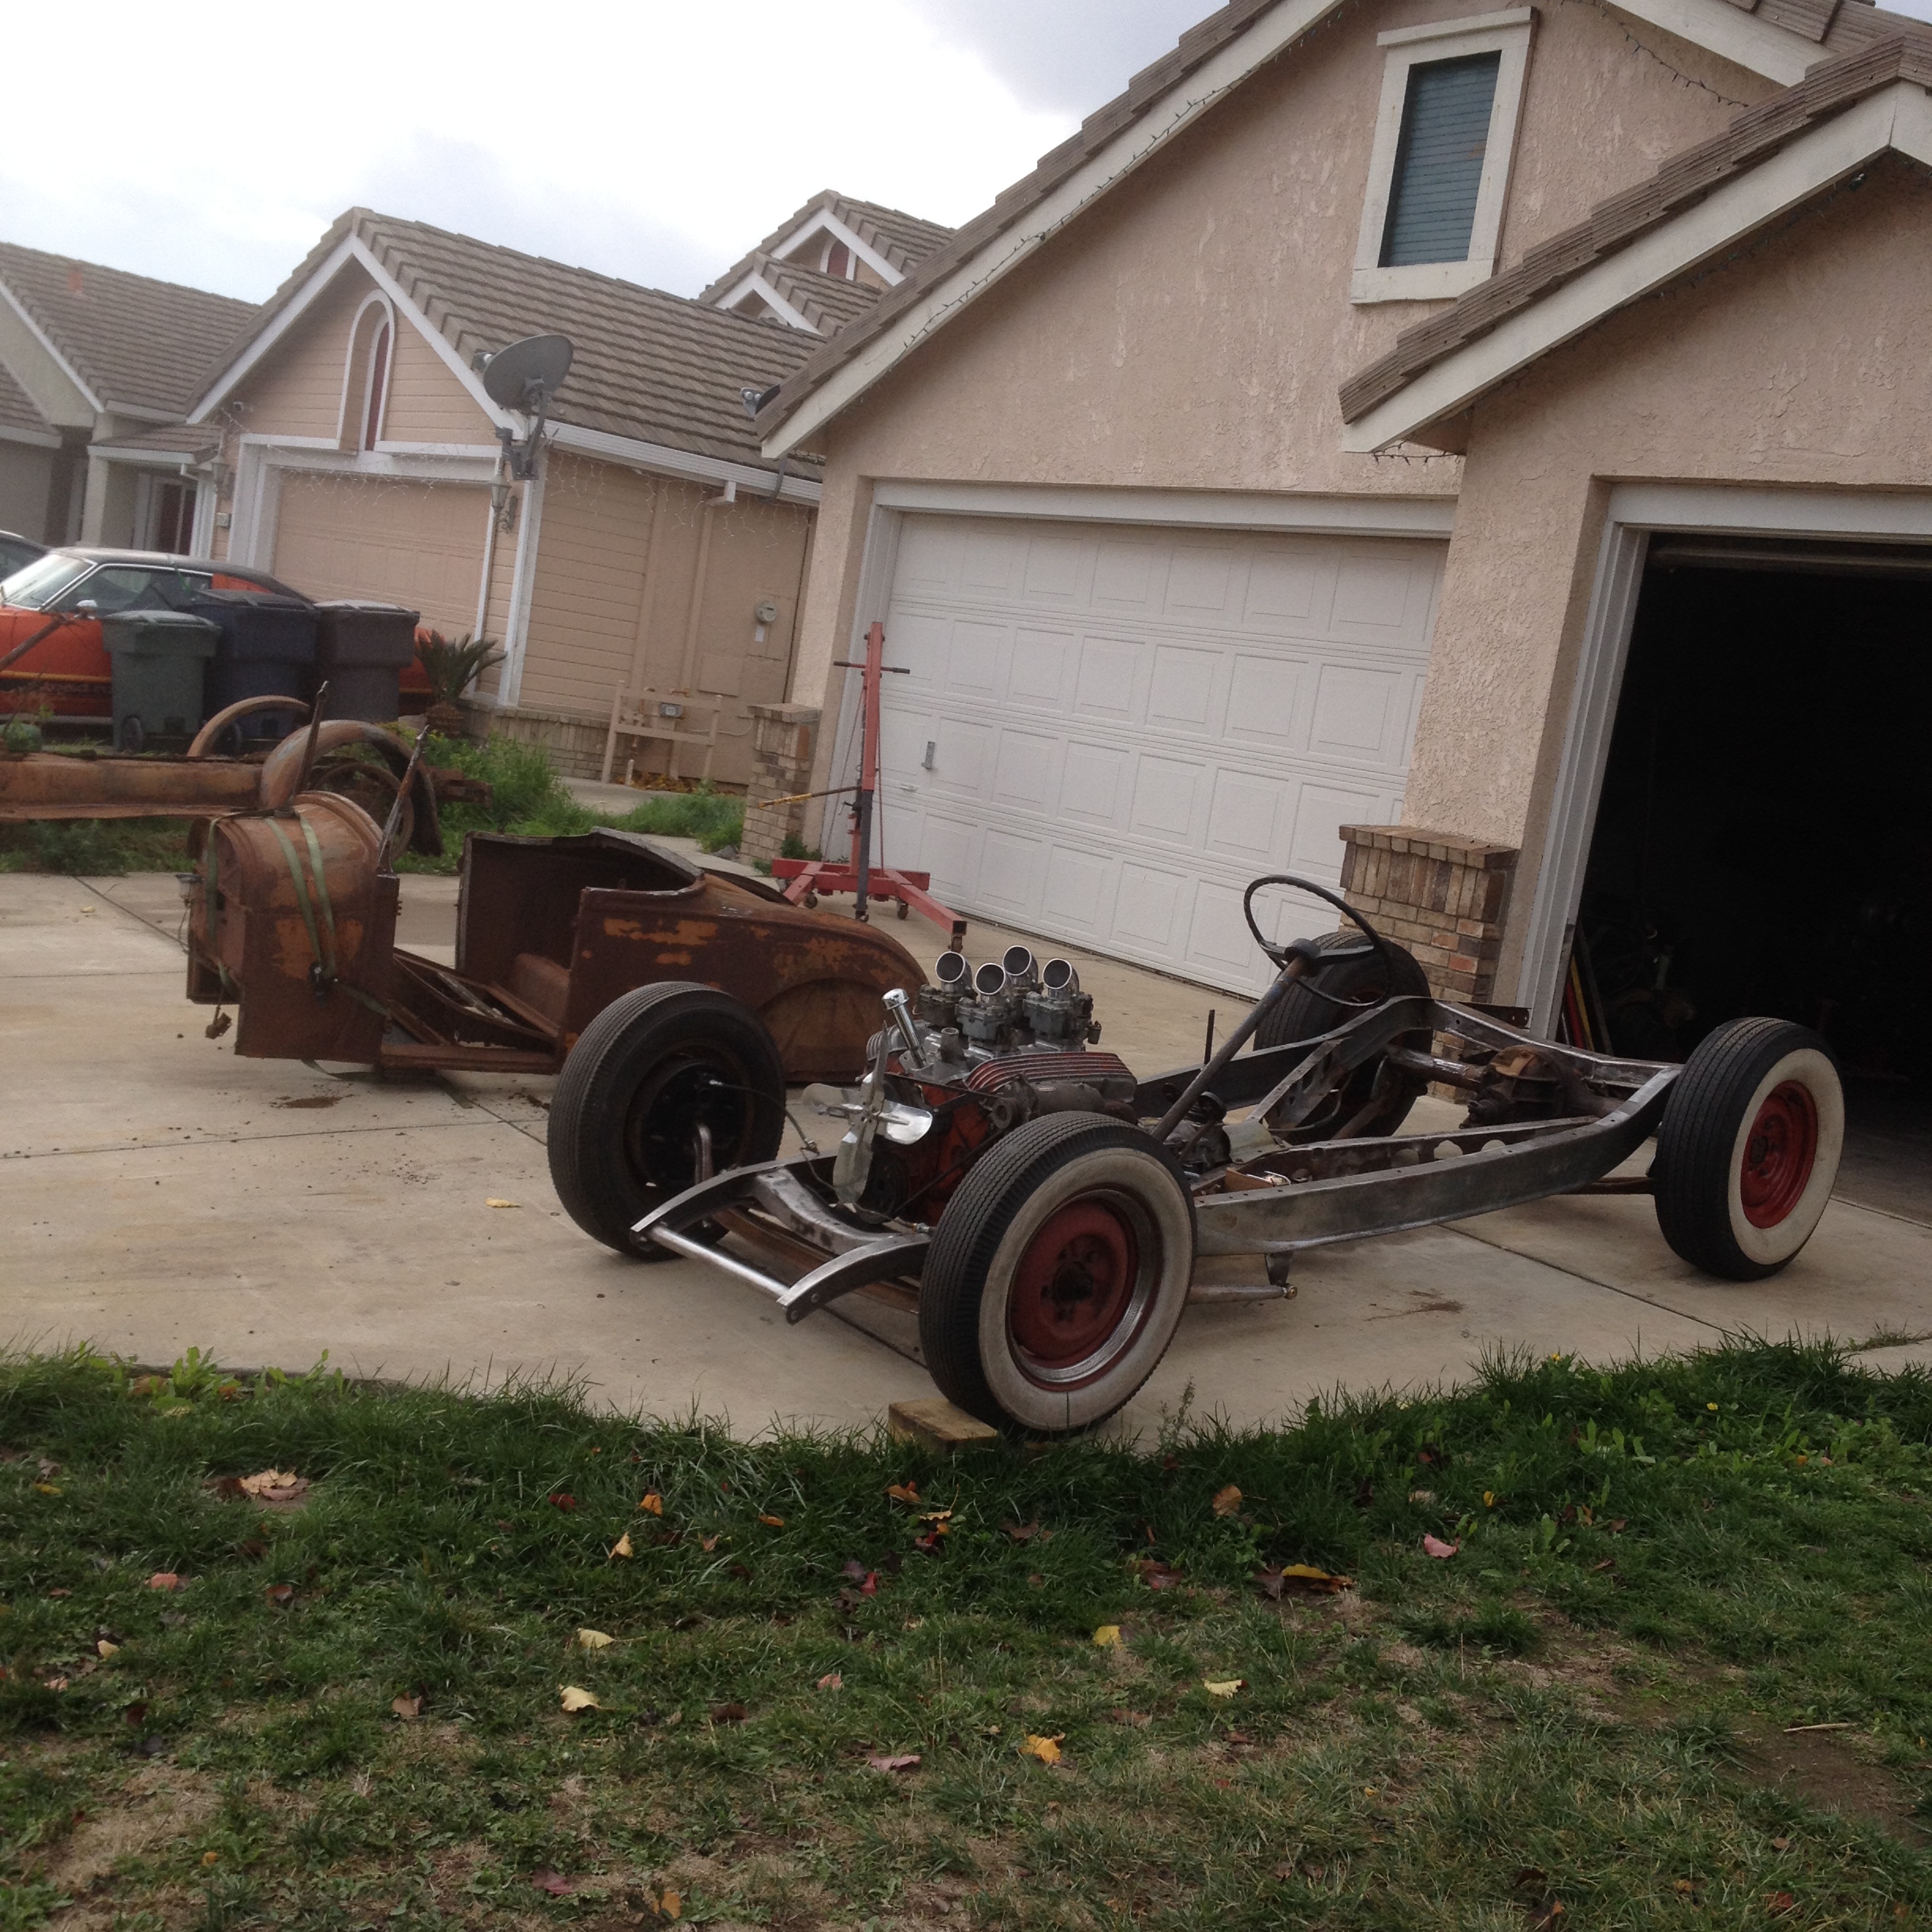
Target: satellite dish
[(525, 377), (528, 373)]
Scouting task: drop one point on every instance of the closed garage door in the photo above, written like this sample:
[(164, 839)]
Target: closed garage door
[(419, 544), (1107, 732)]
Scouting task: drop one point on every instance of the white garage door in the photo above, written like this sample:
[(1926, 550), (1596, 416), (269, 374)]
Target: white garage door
[(1106, 731), (419, 544)]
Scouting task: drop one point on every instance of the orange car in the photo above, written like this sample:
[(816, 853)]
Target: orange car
[(68, 669)]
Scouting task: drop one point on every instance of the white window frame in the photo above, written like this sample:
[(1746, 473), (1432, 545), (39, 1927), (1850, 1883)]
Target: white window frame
[(1506, 33)]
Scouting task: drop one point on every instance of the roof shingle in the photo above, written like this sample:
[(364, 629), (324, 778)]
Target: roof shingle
[(905, 240)]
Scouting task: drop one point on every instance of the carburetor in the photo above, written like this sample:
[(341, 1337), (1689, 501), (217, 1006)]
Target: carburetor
[(1006, 1007)]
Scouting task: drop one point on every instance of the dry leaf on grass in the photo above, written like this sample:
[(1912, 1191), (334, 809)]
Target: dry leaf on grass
[(903, 1492), (575, 1699), (164, 1580), (729, 1713), (1023, 1533), (831, 1681), (1305, 1579), (594, 1640), (1226, 1501), (1156, 1574), (281, 1595), (905, 1760), (1046, 1748), (107, 1648), (652, 1505), (622, 1546), (1108, 1636), (772, 1522), (1435, 1546), (48, 1488), (563, 1499), (272, 1485), (554, 1883), (408, 1709), (1221, 1686)]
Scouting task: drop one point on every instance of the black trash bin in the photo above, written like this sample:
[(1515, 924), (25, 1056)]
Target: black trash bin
[(158, 658), (361, 649), (266, 650)]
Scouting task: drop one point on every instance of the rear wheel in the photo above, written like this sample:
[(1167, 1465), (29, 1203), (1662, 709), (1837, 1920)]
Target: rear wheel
[(662, 1080), (1058, 1274), (1326, 998), (1748, 1151)]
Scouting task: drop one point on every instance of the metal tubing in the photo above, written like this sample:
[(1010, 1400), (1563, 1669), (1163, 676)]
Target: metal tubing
[(1229, 1047)]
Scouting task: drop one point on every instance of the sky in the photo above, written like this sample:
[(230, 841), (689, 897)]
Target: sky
[(648, 139)]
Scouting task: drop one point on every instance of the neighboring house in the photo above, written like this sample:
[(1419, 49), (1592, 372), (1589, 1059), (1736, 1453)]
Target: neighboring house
[(827, 264), (651, 550), (98, 369), (1477, 455)]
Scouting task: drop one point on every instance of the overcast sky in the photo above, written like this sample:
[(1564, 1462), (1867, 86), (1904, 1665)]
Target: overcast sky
[(651, 139)]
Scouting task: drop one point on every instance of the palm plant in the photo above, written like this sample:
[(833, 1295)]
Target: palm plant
[(451, 668)]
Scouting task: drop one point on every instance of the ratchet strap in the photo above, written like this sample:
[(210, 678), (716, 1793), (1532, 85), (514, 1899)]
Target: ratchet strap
[(323, 973)]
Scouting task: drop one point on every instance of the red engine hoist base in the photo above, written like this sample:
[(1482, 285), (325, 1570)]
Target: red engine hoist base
[(807, 879)]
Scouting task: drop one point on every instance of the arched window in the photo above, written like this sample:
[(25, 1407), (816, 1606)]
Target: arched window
[(365, 375), (378, 386)]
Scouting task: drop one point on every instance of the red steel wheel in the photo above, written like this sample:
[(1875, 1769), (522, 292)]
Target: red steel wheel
[(1058, 1274), (1748, 1151)]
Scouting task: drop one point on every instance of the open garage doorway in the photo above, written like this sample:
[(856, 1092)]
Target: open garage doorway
[(1763, 841)]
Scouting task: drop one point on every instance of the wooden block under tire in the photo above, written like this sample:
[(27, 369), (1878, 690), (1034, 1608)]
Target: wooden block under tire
[(936, 1423)]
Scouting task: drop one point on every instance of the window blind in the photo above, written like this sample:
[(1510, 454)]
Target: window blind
[(1439, 161)]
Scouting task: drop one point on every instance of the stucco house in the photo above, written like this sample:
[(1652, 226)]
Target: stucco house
[(1483, 458), (656, 547), (98, 369)]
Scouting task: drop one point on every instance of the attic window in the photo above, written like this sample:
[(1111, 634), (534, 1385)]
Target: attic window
[(1438, 174), (378, 387), (838, 261)]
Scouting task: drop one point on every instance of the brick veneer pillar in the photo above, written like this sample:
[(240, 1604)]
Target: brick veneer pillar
[(781, 756), (1440, 895)]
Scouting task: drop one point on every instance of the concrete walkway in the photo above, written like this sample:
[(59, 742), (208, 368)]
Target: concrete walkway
[(158, 1192)]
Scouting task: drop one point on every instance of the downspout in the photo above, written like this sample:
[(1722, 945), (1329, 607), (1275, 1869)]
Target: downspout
[(723, 501)]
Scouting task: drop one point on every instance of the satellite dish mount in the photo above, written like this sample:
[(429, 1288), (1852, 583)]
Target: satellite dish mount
[(525, 377)]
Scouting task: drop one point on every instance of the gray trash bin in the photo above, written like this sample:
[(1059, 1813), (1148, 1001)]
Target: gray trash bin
[(361, 650), (160, 660)]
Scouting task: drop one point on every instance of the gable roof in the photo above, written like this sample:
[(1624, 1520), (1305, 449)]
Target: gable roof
[(825, 303), (1708, 181), (1774, 37), (20, 419), (903, 241), (133, 343), (650, 367)]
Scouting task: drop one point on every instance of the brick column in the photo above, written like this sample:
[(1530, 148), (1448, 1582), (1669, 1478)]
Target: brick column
[(1442, 896), (781, 757)]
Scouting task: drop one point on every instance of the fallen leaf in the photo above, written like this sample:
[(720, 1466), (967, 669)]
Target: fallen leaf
[(563, 1499), (1435, 1546), (60, 1592), (903, 1492), (47, 1467), (1780, 1844), (1023, 1533), (1303, 1577), (670, 1904), (281, 1595), (1046, 1748), (772, 1522), (273, 1485), (57, 1683), (48, 1488), (105, 1648), (905, 1760), (407, 1708), (707, 1544), (1108, 1636), (164, 1580), (1156, 1574), (135, 1713), (1037, 1581), (554, 1883), (1686, 1886), (1609, 1562), (1138, 1720), (741, 1571), (594, 1640), (652, 1505), (1779, 1901), (211, 1858), (577, 1699), (1422, 1495), (496, 1200), (729, 1713), (622, 1546), (831, 1681), (1226, 1501), (1223, 1686), (1544, 1915)]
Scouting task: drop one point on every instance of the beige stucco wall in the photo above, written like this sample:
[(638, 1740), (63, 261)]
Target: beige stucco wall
[(26, 477), (1800, 363), (427, 403), (1193, 329), (297, 388)]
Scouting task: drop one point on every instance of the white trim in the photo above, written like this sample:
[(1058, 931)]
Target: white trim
[(523, 588), (643, 455), (877, 568), (201, 536), (1151, 132), (1637, 510), (375, 299), (38, 439), (1506, 35), (1719, 27), (1898, 117), (823, 221), (286, 318), (444, 452), (1362, 516), (54, 355), (756, 284), (183, 460)]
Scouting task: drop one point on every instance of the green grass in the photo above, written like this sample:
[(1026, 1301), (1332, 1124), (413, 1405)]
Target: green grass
[(1661, 1569), (96, 847)]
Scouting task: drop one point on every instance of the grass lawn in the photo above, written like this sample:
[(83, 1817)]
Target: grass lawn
[(823, 1703)]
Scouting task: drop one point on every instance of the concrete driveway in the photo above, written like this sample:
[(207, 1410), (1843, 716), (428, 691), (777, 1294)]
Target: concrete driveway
[(157, 1191)]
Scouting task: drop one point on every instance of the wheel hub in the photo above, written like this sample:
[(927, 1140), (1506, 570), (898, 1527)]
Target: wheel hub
[(1779, 1151), (1075, 1283)]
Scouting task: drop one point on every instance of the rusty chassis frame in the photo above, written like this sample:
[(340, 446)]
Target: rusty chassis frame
[(1274, 1203)]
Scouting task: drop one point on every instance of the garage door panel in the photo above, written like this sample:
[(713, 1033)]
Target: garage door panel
[(1129, 724), (420, 545)]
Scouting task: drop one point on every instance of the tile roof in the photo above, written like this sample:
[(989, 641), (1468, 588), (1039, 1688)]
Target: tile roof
[(905, 240), (827, 302), (142, 344), (171, 439), (18, 409), (1755, 135), (651, 367)]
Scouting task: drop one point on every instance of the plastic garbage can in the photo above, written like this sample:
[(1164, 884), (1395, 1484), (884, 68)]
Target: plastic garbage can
[(361, 651), (158, 658), (266, 650)]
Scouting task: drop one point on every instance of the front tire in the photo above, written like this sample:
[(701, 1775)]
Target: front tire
[(648, 1072), (1748, 1151), (1058, 1274)]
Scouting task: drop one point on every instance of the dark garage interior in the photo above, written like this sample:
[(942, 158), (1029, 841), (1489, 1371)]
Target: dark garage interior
[(1764, 839)]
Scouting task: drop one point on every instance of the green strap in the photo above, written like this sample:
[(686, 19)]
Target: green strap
[(325, 969), (322, 891)]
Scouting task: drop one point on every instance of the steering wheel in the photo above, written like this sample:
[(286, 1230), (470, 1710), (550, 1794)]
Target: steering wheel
[(1305, 950)]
